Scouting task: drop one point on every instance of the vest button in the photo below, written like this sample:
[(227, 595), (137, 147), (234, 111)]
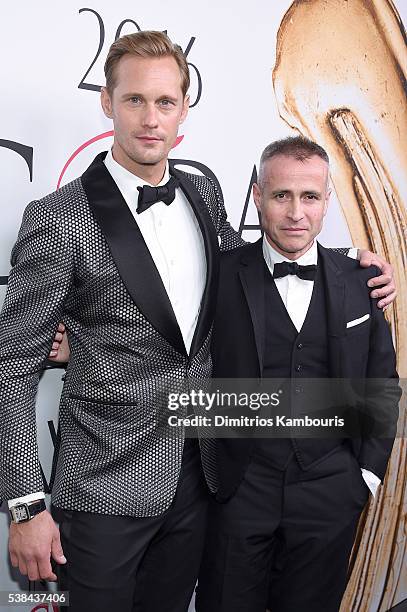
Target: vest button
[(297, 390), (300, 346), (298, 368)]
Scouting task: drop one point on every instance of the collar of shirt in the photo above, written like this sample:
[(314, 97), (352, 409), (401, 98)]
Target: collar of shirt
[(128, 182), (271, 256)]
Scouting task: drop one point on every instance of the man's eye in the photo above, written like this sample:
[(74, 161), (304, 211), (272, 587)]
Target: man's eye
[(281, 196), (311, 196), (135, 99), (166, 102)]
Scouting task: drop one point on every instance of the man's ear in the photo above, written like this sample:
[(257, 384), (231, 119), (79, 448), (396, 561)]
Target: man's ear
[(106, 103), (185, 109), (257, 196)]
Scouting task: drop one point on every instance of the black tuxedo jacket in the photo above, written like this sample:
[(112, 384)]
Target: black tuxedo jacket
[(364, 351), (81, 258)]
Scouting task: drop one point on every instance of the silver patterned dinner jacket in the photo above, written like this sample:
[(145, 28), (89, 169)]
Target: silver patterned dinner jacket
[(80, 257)]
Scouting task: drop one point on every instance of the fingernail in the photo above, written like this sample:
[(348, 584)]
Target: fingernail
[(63, 559), (370, 284)]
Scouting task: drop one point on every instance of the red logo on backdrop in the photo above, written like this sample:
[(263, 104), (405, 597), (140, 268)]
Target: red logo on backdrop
[(88, 143), (54, 608)]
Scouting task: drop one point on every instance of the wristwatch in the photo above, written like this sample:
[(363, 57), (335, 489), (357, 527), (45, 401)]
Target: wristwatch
[(21, 513)]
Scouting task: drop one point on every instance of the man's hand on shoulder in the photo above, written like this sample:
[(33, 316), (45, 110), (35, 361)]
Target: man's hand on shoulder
[(60, 351), (33, 543), (386, 287)]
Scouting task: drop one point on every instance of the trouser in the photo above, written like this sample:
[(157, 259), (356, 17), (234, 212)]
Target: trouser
[(137, 564), (283, 540)]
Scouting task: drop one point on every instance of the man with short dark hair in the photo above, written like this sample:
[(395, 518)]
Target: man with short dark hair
[(294, 312)]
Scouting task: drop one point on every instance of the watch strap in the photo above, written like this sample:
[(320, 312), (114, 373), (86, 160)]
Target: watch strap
[(30, 510)]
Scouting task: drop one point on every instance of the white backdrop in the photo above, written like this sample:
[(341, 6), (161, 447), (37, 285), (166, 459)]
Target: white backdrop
[(46, 49)]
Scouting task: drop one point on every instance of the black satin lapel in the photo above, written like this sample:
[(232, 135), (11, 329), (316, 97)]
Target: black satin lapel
[(252, 278), (129, 251), (335, 295), (210, 239)]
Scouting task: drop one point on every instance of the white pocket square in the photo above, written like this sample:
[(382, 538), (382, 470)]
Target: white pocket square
[(357, 321)]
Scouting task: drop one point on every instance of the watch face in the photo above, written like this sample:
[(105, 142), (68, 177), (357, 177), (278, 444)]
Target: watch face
[(21, 513)]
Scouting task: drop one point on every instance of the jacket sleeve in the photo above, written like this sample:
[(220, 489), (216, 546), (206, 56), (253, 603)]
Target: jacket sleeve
[(229, 237), (382, 396), (39, 281)]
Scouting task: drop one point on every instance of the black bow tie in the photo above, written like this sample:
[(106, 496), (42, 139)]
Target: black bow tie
[(150, 195), (291, 267)]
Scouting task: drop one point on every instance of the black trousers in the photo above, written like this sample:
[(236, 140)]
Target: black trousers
[(137, 564), (283, 540)]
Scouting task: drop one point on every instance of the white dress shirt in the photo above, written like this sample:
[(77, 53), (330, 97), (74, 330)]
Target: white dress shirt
[(175, 242), (296, 294), (173, 237)]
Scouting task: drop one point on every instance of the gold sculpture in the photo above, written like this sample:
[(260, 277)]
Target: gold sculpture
[(339, 79)]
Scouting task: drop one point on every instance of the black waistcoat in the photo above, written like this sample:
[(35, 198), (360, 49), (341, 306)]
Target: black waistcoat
[(292, 356)]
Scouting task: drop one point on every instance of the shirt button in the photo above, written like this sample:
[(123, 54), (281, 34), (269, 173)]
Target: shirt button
[(298, 368), (297, 390), (300, 346)]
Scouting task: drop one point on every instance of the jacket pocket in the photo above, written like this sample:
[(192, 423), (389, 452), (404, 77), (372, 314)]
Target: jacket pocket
[(88, 400)]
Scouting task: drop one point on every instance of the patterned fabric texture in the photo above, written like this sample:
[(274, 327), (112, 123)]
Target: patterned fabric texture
[(115, 453)]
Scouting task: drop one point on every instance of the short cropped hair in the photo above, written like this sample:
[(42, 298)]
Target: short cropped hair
[(145, 44), (299, 147)]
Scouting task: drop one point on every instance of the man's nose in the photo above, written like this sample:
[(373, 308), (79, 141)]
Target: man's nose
[(295, 211), (150, 116)]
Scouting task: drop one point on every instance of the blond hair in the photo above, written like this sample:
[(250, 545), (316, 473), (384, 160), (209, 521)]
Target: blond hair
[(145, 44)]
